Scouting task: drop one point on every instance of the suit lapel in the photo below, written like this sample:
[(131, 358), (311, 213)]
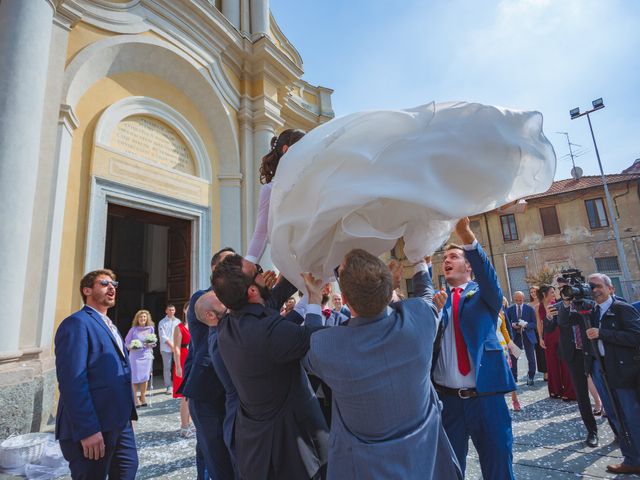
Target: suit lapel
[(446, 308), (463, 296), (96, 317)]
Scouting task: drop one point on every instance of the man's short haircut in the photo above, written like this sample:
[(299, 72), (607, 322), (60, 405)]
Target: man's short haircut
[(605, 278), (366, 282), (455, 246), (230, 283), (89, 279), (216, 256), (171, 305)]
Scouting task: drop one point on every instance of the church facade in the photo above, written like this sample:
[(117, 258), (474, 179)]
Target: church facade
[(131, 134)]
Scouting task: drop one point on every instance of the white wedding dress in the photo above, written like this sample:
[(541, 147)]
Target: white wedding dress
[(366, 179)]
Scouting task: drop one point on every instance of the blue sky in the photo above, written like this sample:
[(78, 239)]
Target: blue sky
[(546, 55)]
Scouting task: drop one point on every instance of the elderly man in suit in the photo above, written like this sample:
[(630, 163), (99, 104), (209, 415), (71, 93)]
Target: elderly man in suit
[(470, 371), (96, 403), (524, 336), (386, 415), (280, 432), (614, 330)]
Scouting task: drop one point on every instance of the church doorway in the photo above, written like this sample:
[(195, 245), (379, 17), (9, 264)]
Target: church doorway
[(151, 256)]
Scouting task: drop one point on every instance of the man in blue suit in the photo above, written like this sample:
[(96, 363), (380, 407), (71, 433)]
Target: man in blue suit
[(96, 403), (471, 373), (524, 336), (206, 394), (386, 415)]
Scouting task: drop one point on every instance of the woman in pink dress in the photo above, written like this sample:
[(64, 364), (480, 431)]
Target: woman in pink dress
[(140, 345)]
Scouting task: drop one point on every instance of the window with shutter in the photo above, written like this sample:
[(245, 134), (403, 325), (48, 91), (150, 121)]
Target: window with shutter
[(550, 224), (509, 230), (596, 213)]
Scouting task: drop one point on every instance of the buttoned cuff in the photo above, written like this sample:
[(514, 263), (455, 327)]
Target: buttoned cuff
[(314, 308)]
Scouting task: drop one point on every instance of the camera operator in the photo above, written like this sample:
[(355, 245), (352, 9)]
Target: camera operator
[(615, 329), (571, 351)]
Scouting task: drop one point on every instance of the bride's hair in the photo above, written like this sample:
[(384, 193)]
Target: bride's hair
[(270, 160)]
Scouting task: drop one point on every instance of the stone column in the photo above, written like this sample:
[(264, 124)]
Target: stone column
[(25, 38), (259, 17), (263, 132), (231, 10), (231, 211)]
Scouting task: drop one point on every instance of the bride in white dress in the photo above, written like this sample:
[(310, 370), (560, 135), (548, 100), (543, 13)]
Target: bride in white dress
[(366, 179)]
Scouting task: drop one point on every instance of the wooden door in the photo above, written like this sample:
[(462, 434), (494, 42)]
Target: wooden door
[(179, 265)]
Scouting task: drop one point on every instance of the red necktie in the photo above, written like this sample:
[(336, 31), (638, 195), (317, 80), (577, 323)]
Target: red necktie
[(461, 348)]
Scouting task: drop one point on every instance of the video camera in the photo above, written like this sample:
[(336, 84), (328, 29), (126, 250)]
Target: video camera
[(577, 290)]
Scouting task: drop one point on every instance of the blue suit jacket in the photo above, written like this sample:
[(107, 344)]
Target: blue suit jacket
[(94, 377), (386, 420), (479, 305), (529, 316), (200, 379)]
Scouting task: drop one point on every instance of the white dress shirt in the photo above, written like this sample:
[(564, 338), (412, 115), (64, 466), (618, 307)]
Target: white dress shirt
[(446, 372), (112, 328), (165, 330), (604, 306)]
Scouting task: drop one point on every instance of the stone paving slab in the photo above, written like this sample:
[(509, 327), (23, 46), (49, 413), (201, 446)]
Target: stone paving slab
[(548, 441)]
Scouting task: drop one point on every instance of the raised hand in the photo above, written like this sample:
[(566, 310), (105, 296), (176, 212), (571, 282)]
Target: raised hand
[(314, 287), (440, 299), (270, 278), (463, 230)]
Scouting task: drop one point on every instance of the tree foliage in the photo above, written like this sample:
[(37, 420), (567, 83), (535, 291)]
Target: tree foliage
[(544, 276)]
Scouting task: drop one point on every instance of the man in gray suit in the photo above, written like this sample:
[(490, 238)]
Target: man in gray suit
[(386, 414)]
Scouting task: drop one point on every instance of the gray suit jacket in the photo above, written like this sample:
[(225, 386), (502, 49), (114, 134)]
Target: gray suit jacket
[(386, 419)]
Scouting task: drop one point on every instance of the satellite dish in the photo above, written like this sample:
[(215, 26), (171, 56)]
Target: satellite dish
[(576, 172)]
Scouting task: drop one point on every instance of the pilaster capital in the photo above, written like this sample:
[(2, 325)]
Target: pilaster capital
[(67, 14), (266, 112), (230, 179), (67, 118)]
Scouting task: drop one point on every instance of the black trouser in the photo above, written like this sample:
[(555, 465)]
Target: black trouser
[(581, 386)]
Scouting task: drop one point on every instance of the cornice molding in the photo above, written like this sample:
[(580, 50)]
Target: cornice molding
[(110, 16), (266, 57), (286, 46)]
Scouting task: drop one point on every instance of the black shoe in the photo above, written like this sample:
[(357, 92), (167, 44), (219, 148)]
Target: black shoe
[(530, 382), (592, 440)]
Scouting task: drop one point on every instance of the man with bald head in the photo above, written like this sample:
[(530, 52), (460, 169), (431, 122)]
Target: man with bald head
[(523, 321)]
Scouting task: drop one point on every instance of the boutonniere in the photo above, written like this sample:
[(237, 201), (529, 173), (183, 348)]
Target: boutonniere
[(470, 294)]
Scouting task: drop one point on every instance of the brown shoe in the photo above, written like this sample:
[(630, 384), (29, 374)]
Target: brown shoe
[(622, 468)]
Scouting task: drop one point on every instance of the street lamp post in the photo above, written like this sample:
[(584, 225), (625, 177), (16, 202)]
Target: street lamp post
[(575, 113)]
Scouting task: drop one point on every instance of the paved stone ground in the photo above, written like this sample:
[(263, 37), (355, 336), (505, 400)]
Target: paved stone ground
[(548, 441)]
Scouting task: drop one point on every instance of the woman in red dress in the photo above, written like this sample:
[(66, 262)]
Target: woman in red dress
[(181, 339), (559, 380)]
